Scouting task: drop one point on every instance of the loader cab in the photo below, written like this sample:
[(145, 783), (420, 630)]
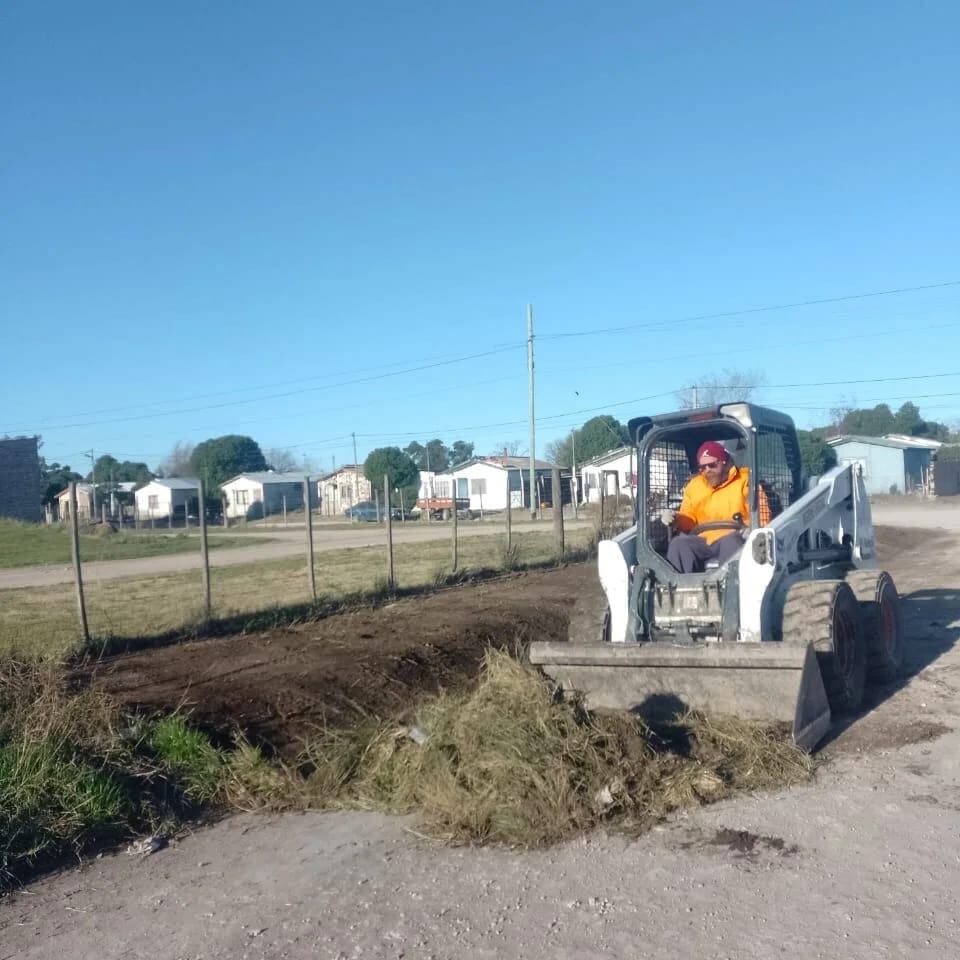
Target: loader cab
[(761, 440)]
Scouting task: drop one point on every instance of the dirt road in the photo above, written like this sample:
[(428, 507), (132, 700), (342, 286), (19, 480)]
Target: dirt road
[(862, 863), (280, 543)]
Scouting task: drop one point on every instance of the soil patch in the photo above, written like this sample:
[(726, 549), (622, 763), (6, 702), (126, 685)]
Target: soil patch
[(279, 687), (743, 843)]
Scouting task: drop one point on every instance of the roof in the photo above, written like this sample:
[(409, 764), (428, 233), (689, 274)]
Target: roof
[(175, 483), (604, 457), (894, 443), (343, 468), (503, 463), (916, 441), (269, 476), (81, 488)]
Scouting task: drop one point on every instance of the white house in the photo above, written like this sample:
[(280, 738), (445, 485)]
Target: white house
[(255, 495), (84, 502), (161, 498), (485, 481), (614, 471), (342, 488)]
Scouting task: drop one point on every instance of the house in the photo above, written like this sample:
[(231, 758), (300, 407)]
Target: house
[(614, 472), (164, 497), (342, 488), (256, 495), (486, 480), (84, 502), (890, 464), (20, 479)]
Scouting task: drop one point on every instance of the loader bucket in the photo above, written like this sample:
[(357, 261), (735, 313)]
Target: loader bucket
[(765, 681)]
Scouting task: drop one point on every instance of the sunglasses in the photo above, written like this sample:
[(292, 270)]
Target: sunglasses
[(709, 466)]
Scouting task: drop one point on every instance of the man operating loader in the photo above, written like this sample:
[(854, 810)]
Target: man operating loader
[(714, 512)]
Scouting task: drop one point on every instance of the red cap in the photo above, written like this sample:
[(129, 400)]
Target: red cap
[(711, 449)]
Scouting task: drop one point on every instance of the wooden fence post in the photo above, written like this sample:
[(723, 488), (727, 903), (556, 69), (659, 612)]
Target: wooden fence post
[(556, 496), (308, 517), (75, 554), (509, 514), (388, 516), (455, 559), (204, 551)]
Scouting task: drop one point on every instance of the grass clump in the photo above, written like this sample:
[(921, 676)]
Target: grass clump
[(189, 756), (509, 762)]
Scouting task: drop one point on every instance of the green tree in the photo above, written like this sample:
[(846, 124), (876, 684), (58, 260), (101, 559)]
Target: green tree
[(816, 454), (217, 460), (460, 452), (54, 478), (599, 435), (949, 452), (399, 468), (869, 423), (434, 456)]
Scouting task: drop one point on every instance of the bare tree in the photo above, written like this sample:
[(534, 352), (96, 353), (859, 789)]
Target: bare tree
[(512, 448), (729, 386), (282, 461), (177, 461)]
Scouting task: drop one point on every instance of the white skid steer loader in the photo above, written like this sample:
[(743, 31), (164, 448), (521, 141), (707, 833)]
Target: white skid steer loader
[(788, 629)]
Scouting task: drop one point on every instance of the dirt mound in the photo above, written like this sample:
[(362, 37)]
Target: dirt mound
[(281, 686)]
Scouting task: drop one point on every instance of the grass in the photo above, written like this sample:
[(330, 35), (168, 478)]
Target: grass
[(507, 762), (25, 544), (42, 621)]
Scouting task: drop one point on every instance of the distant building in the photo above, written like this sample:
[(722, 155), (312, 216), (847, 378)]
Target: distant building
[(255, 495), (890, 464), (163, 498), (342, 488), (20, 480), (614, 472), (84, 502), (485, 481)]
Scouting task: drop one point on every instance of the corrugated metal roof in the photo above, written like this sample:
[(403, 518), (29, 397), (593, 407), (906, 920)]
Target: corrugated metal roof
[(894, 444), (604, 457), (175, 483)]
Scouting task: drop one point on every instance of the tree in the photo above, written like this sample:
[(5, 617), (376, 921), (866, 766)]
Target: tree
[(434, 456), (511, 448), (949, 453), (217, 460), (730, 386), (560, 451), (54, 478), (177, 461), (282, 461), (399, 468), (816, 454), (874, 422), (599, 435), (460, 452)]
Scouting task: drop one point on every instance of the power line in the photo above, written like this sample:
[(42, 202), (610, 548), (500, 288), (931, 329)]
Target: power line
[(748, 311)]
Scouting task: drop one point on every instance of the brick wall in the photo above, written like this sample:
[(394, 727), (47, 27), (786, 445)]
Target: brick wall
[(20, 480)]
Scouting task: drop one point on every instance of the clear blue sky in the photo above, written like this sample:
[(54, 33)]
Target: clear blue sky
[(239, 206)]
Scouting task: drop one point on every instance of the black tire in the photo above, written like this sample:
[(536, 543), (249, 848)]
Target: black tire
[(826, 614), (882, 618)]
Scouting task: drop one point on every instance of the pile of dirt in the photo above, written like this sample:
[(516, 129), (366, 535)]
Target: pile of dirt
[(283, 686)]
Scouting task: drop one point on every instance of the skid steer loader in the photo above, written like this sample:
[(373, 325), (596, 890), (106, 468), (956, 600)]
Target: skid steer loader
[(787, 630)]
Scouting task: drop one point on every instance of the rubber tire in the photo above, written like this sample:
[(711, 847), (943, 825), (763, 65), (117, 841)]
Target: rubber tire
[(826, 613), (882, 617)]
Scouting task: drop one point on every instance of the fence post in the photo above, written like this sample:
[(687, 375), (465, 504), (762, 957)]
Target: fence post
[(308, 518), (556, 496), (509, 516), (75, 554), (285, 509), (204, 550), (455, 559), (388, 516)]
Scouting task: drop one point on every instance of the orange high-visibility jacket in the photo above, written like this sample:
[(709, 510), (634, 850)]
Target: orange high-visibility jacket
[(703, 503)]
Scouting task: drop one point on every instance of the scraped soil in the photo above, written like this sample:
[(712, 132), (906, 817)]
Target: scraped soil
[(280, 686)]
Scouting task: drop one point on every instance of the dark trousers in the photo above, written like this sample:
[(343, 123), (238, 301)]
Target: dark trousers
[(689, 553)]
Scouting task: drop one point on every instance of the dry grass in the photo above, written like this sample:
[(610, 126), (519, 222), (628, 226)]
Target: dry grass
[(42, 621), (509, 763)]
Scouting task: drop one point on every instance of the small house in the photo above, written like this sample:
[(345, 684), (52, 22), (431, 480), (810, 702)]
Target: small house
[(164, 498), (258, 495), (613, 472), (889, 464), (84, 502), (486, 481), (342, 488)]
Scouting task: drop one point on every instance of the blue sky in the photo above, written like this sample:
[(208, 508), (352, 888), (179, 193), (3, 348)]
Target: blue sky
[(284, 220)]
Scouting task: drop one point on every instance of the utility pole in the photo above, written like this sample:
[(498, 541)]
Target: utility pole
[(575, 485), (696, 402), (533, 440), (93, 483), (429, 490), (356, 473)]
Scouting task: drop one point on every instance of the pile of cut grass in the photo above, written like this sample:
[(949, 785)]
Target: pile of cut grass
[(509, 762)]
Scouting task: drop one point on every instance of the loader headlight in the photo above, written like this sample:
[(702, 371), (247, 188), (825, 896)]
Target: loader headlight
[(763, 551)]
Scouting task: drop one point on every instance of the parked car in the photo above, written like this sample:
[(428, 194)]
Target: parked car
[(365, 510)]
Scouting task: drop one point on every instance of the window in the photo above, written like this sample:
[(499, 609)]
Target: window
[(346, 492), (241, 497), (478, 487), (463, 488), (153, 501)]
